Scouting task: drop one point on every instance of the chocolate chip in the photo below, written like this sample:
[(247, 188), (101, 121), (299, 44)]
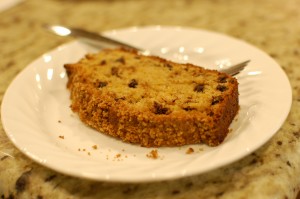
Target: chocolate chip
[(216, 100), (103, 62), (101, 84), (121, 60), (221, 88), (199, 88), (222, 79), (159, 109), (115, 71), (120, 98), (231, 81), (169, 66), (188, 108), (133, 83)]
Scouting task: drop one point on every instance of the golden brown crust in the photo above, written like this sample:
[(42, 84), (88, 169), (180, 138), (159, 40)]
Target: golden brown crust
[(150, 101)]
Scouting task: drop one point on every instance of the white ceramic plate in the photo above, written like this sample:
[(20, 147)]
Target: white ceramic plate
[(37, 118)]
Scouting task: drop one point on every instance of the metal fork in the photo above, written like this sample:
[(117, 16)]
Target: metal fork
[(94, 38), (235, 69)]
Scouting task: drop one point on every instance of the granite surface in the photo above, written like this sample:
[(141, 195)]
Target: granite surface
[(273, 171)]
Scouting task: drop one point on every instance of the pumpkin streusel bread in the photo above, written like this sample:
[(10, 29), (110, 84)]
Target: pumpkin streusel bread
[(150, 101)]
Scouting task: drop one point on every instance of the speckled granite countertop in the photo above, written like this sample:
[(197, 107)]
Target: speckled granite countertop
[(273, 171)]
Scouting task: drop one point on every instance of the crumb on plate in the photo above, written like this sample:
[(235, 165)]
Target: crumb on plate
[(153, 154), (189, 150)]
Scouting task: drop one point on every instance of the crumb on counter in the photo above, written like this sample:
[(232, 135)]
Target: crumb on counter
[(61, 137), (95, 147)]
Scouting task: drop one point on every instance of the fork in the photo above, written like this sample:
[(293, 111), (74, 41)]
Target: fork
[(92, 37), (235, 69)]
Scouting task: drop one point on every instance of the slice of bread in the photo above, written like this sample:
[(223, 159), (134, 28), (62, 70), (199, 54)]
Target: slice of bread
[(150, 101)]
